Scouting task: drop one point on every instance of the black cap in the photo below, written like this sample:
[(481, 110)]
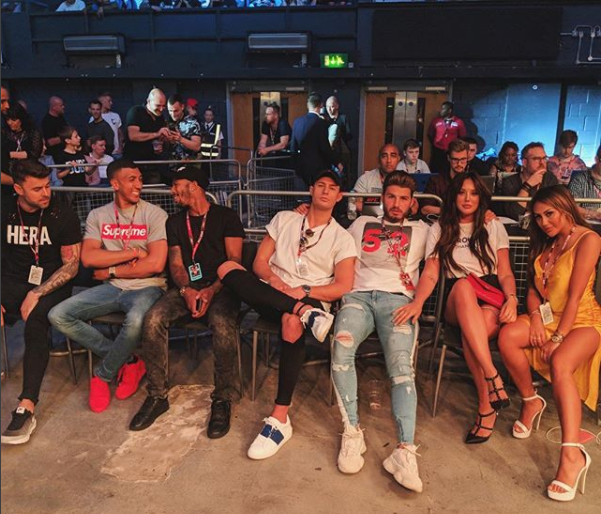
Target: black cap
[(330, 174), (193, 173)]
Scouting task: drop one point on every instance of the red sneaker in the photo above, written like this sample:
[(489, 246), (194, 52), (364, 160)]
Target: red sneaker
[(129, 379), (100, 395)]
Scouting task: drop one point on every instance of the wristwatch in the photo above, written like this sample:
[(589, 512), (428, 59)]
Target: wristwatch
[(306, 289), (112, 271), (557, 337), (182, 291)]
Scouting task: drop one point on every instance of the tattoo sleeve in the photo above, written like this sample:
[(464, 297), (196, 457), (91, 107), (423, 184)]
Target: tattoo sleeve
[(179, 274), (70, 256)]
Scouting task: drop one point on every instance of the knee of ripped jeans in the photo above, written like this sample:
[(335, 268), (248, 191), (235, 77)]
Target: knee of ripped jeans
[(344, 338)]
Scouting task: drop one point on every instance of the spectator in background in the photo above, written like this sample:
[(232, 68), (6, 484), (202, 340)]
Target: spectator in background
[(97, 175), (212, 135), (505, 164), (7, 181), (340, 135), (98, 126), (146, 134), (5, 99), (74, 176), (185, 132), (587, 184), (114, 120), (23, 140), (52, 123), (192, 107), (411, 163), (439, 184), (444, 129), (71, 5), (532, 177), (563, 164), (474, 163), (275, 138)]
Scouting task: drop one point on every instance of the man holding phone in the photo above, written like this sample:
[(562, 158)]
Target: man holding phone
[(201, 237), (184, 131)]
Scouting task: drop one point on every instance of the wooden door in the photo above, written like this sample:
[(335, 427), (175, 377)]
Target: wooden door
[(375, 128)]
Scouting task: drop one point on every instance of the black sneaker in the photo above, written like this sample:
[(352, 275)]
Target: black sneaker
[(219, 424), (21, 427), (151, 409)]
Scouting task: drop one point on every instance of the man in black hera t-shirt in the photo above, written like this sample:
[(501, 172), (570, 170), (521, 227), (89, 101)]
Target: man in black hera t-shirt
[(75, 176), (52, 123), (145, 136), (41, 242), (275, 138), (201, 237)]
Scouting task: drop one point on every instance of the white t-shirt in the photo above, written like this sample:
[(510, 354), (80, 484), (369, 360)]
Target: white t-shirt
[(371, 182), (377, 269), (497, 238), (320, 260), (114, 120), (79, 5), (420, 167), (148, 226)]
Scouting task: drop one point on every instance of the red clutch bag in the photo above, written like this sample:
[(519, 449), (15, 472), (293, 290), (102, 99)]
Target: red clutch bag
[(485, 292)]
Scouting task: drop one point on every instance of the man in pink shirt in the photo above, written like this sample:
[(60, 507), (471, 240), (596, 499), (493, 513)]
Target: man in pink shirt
[(442, 130)]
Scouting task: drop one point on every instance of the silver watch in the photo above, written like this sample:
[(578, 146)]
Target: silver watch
[(306, 289), (557, 337)]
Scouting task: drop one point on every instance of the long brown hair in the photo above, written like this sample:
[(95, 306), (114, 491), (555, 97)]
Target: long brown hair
[(560, 198), (449, 225)]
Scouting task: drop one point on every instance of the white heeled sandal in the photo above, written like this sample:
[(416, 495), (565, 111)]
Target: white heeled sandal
[(570, 491), (524, 432)]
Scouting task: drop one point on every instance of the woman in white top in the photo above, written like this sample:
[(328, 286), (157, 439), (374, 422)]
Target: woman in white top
[(465, 244)]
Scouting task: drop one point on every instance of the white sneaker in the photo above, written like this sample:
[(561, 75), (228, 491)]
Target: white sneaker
[(351, 448), (402, 464), (269, 441), (319, 321)]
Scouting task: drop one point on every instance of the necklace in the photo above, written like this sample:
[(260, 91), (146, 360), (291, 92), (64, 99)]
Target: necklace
[(398, 246)]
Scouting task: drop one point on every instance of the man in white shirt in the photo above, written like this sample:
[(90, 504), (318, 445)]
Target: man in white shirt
[(411, 162), (72, 5), (390, 250), (114, 120), (304, 263)]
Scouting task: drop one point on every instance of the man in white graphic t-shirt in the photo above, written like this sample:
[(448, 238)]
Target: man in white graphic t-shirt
[(390, 250), (126, 244)]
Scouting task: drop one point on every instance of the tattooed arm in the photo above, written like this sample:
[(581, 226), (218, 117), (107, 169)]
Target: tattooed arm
[(70, 258), (178, 271)]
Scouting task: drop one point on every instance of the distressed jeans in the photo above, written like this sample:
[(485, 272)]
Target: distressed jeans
[(221, 318), (360, 314), (71, 318)]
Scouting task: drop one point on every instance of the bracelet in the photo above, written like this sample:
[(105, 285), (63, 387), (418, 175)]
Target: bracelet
[(534, 312), (526, 187), (514, 295)]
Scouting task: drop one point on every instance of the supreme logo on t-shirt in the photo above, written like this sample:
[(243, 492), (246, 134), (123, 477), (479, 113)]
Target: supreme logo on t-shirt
[(133, 232)]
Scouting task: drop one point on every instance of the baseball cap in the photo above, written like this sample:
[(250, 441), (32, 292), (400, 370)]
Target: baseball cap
[(330, 174), (192, 102), (193, 173)]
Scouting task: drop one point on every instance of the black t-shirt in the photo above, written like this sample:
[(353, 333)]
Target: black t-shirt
[(222, 222), (273, 138), (77, 175), (104, 130), (60, 227), (51, 126), (139, 116)]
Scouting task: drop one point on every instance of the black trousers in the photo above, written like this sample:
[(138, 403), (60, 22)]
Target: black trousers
[(272, 304), (37, 344)]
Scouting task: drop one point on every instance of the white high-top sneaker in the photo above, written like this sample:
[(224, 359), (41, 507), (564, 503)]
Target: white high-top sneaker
[(402, 464), (319, 321), (352, 447)]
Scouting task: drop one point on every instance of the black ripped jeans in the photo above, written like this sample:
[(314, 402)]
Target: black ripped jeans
[(272, 304)]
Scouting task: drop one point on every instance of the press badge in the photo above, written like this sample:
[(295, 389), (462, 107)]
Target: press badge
[(195, 271), (302, 268), (35, 275), (546, 313)]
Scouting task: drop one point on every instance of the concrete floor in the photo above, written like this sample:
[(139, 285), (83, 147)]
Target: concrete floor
[(63, 469)]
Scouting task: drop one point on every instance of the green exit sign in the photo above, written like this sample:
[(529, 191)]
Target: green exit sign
[(334, 60)]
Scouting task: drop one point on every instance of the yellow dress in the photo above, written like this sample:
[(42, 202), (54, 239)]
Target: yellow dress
[(588, 315)]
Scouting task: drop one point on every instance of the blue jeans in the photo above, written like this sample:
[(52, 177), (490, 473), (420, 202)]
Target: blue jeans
[(360, 314), (71, 318)]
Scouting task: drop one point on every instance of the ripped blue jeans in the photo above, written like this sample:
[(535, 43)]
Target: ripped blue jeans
[(360, 314)]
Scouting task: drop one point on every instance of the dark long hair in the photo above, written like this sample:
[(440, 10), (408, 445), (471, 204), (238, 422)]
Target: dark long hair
[(560, 198), (17, 112), (449, 225)]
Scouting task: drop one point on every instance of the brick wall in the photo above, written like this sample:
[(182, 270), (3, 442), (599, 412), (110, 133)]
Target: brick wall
[(583, 114)]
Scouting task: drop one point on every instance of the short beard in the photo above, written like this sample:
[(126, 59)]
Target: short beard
[(389, 218)]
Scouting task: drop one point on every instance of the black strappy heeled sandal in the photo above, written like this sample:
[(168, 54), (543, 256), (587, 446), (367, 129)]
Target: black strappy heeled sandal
[(499, 403), (472, 438)]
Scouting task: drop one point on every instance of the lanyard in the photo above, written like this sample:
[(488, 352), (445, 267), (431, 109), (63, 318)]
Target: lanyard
[(548, 267), (193, 245), (396, 250), (129, 230), (35, 248), (302, 244)]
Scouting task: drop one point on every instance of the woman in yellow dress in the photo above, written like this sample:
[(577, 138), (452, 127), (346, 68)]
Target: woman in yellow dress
[(560, 336)]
